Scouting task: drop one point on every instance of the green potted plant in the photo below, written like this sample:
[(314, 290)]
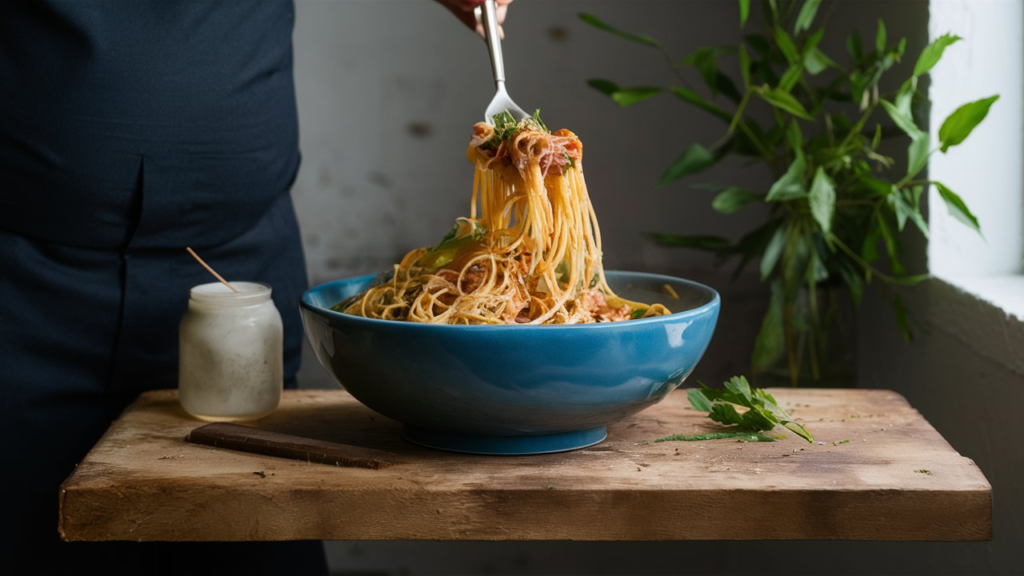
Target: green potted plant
[(837, 205)]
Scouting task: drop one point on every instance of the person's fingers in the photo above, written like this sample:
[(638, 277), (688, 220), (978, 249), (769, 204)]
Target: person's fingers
[(463, 10)]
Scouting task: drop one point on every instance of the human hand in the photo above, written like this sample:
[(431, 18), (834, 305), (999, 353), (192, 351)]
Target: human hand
[(463, 10)]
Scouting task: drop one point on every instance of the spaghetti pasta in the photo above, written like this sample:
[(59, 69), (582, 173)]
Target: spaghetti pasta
[(530, 251)]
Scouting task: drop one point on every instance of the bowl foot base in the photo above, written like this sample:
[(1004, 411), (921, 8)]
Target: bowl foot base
[(505, 445)]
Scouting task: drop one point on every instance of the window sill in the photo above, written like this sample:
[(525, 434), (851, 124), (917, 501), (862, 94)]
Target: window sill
[(986, 313)]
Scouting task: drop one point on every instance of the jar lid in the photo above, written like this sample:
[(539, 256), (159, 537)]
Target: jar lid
[(217, 294)]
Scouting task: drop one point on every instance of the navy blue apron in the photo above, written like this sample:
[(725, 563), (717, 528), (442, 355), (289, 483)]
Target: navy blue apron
[(130, 129)]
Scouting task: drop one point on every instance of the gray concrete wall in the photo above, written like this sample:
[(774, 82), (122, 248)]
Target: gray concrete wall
[(388, 90)]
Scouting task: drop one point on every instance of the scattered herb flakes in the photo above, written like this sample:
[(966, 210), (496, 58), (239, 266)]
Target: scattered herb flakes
[(549, 487), (763, 412), (745, 436), (924, 471), (834, 443)]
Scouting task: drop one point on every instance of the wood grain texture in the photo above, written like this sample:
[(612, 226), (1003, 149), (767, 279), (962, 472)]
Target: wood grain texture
[(896, 479)]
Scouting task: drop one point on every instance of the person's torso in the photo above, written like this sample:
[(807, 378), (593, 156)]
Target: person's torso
[(190, 102)]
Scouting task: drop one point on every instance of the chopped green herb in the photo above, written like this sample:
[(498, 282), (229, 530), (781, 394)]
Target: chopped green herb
[(570, 162), (506, 127), (540, 123), (549, 487), (444, 251), (638, 313), (840, 442), (763, 412), (717, 436)]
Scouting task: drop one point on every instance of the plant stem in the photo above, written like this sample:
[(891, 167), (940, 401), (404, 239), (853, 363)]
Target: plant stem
[(866, 265), (815, 331)]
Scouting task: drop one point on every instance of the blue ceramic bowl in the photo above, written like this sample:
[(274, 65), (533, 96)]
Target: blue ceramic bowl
[(513, 389)]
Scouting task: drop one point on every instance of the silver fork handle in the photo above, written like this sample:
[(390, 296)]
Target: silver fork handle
[(489, 19)]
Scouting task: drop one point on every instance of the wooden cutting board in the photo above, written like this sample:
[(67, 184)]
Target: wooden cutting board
[(879, 471)]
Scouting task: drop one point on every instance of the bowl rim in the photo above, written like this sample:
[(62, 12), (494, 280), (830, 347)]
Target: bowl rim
[(713, 303)]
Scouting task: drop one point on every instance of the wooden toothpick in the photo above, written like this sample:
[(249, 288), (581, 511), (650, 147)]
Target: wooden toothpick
[(210, 270)]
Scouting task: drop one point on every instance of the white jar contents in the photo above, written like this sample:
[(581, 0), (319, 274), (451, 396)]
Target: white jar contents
[(231, 353)]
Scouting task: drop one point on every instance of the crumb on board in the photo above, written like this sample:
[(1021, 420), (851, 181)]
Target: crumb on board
[(924, 471), (260, 473)]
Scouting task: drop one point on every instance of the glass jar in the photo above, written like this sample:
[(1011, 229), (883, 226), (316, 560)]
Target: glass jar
[(231, 353)]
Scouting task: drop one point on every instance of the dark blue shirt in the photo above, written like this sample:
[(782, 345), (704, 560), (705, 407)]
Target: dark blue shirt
[(154, 117)]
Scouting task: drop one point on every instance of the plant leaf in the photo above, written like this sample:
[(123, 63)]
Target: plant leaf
[(698, 242), (853, 46), (600, 25), (816, 62), (603, 86), (695, 99), (958, 126), (932, 53), (725, 414), (624, 97), (738, 385), (902, 119), (917, 155), (744, 12), (786, 45), (904, 211), (798, 429), (772, 252), (854, 281), (732, 199), (784, 101), (759, 43), (744, 65), (892, 246), (822, 199), (794, 136), (698, 400), (628, 96), (880, 37), (917, 152), (791, 77), (705, 60), (957, 208), (806, 16), (770, 339), (693, 160), (790, 186)]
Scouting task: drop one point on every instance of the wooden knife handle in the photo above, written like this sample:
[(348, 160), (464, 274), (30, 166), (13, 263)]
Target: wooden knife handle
[(255, 440)]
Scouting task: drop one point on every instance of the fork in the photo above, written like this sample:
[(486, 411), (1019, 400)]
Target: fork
[(488, 16)]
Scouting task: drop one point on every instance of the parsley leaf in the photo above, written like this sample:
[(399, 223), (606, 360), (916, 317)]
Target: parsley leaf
[(506, 127), (763, 412)]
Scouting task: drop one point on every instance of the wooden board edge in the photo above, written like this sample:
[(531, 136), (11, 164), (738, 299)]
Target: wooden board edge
[(526, 515)]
